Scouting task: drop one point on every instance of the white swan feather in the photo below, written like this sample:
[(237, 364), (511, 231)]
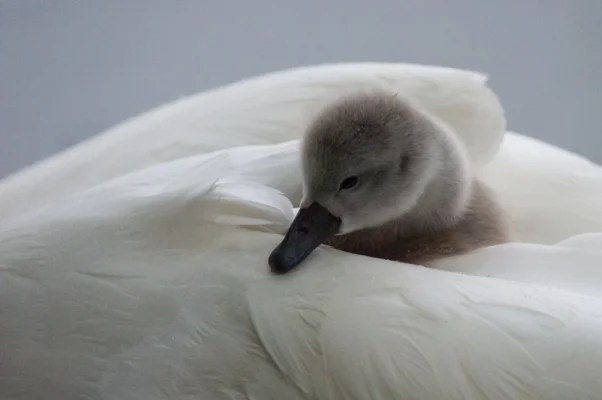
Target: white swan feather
[(130, 285)]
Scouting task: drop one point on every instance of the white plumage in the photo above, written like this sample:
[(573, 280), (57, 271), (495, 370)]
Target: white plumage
[(264, 110), (135, 266)]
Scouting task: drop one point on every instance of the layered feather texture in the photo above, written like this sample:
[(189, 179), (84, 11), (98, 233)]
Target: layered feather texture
[(155, 286), (268, 109), (134, 266)]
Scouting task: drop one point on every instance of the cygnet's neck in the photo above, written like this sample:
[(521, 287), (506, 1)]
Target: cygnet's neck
[(447, 195)]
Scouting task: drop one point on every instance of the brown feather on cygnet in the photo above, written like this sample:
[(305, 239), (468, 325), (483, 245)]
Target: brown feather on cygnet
[(384, 179)]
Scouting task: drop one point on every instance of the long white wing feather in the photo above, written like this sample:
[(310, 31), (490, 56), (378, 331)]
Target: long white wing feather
[(264, 110), (550, 194), (574, 265)]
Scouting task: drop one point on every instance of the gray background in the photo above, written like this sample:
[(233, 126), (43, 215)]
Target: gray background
[(72, 68)]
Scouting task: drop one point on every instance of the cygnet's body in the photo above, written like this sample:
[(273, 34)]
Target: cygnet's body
[(383, 179)]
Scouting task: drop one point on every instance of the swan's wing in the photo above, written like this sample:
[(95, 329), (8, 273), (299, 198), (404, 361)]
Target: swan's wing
[(89, 282), (147, 288), (574, 265), (264, 110), (352, 328), (277, 166), (222, 185), (550, 194)]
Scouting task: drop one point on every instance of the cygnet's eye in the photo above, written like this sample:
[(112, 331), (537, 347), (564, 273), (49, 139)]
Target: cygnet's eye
[(349, 182), (405, 161)]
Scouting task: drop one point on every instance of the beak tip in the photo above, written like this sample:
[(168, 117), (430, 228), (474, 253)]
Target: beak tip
[(308, 230), (278, 263)]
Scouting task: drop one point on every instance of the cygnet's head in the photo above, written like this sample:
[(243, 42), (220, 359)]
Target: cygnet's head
[(367, 159)]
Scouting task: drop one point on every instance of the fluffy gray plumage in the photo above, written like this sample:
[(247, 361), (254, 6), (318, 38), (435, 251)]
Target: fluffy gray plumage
[(415, 198)]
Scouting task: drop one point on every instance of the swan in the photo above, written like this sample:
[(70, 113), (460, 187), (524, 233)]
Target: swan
[(146, 277), (383, 179)]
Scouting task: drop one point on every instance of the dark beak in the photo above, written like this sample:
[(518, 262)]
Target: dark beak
[(310, 228)]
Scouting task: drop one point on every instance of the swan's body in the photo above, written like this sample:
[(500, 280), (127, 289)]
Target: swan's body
[(383, 179), (137, 280)]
